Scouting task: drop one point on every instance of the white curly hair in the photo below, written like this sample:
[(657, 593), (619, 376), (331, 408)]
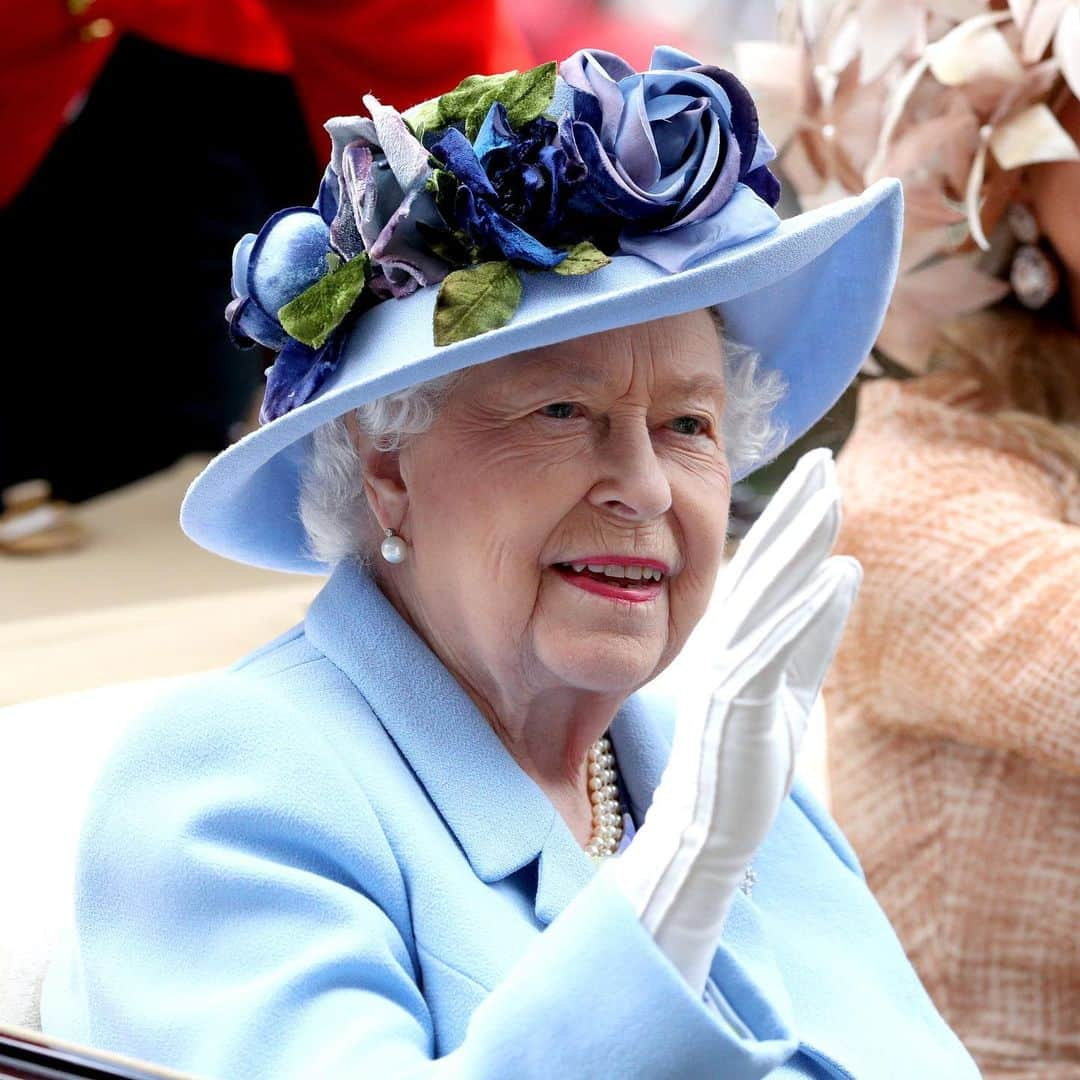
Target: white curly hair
[(334, 508)]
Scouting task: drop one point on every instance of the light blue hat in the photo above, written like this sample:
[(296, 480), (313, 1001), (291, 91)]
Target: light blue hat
[(627, 196)]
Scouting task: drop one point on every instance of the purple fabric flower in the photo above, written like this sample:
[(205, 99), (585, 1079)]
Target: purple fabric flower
[(666, 150), (513, 188), (373, 196)]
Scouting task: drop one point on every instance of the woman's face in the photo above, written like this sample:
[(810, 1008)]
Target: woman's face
[(606, 450)]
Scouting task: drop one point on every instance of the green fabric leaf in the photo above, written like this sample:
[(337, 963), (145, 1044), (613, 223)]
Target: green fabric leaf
[(422, 117), (475, 300), (525, 94), (452, 246), (528, 95), (317, 312), (582, 258), (469, 95), (443, 184)]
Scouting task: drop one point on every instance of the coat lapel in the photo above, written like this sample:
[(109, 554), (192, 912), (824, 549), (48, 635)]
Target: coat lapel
[(497, 813), (433, 721)]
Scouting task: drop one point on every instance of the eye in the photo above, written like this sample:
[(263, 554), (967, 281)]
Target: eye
[(559, 410), (690, 425)]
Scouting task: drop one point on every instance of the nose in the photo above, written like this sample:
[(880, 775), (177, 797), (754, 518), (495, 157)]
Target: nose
[(632, 485)]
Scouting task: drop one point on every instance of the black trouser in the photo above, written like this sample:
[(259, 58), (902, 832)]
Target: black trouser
[(117, 254)]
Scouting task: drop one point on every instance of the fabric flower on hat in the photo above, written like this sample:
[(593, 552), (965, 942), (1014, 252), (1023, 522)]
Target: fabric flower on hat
[(509, 189), (269, 269), (554, 169), (666, 150), (290, 256), (381, 172)]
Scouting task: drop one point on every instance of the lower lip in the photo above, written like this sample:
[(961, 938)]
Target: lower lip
[(635, 595)]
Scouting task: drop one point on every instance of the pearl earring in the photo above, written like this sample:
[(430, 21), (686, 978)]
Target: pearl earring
[(393, 548)]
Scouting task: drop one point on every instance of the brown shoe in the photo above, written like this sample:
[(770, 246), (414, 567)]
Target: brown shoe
[(33, 523)]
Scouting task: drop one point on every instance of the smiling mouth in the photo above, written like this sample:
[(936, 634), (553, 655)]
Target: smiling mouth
[(635, 578)]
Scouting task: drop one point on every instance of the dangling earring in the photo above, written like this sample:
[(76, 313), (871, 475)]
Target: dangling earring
[(1032, 275), (393, 548)]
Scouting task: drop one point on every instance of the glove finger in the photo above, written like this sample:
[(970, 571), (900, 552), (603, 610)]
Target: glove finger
[(755, 674), (798, 720), (814, 471), (785, 568), (811, 656), (755, 759), (814, 653), (807, 626), (757, 724)]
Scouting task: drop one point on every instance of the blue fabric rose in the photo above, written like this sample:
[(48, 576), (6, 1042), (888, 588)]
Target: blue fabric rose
[(513, 187), (271, 268), (674, 152)]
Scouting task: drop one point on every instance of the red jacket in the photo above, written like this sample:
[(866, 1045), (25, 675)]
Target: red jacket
[(337, 50)]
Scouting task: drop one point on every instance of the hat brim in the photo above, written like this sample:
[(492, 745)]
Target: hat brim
[(810, 297)]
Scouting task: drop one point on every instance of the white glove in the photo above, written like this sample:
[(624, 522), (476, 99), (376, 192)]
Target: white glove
[(784, 603)]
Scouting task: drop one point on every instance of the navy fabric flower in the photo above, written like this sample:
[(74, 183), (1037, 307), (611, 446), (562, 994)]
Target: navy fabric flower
[(666, 150), (512, 195), (297, 373)]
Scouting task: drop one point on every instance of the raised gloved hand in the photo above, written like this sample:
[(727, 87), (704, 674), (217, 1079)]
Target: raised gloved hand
[(784, 601)]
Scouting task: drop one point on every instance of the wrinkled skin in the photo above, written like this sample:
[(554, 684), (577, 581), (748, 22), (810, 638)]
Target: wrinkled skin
[(509, 481)]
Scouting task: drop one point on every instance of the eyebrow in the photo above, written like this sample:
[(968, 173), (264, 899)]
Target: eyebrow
[(708, 384)]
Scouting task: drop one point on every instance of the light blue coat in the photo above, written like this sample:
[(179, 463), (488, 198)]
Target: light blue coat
[(324, 863)]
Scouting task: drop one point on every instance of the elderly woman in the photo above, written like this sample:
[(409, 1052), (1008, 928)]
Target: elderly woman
[(438, 828)]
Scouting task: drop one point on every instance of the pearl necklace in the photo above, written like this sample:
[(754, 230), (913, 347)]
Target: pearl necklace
[(607, 809), (607, 827)]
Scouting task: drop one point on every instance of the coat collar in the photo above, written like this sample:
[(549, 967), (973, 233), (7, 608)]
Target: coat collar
[(432, 721), (503, 821)]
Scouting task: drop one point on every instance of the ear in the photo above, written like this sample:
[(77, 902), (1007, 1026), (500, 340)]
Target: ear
[(384, 486)]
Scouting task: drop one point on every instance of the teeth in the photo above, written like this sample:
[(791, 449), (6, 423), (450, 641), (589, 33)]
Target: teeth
[(632, 573)]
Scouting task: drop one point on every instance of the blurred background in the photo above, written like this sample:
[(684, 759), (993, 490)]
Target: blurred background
[(143, 138)]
